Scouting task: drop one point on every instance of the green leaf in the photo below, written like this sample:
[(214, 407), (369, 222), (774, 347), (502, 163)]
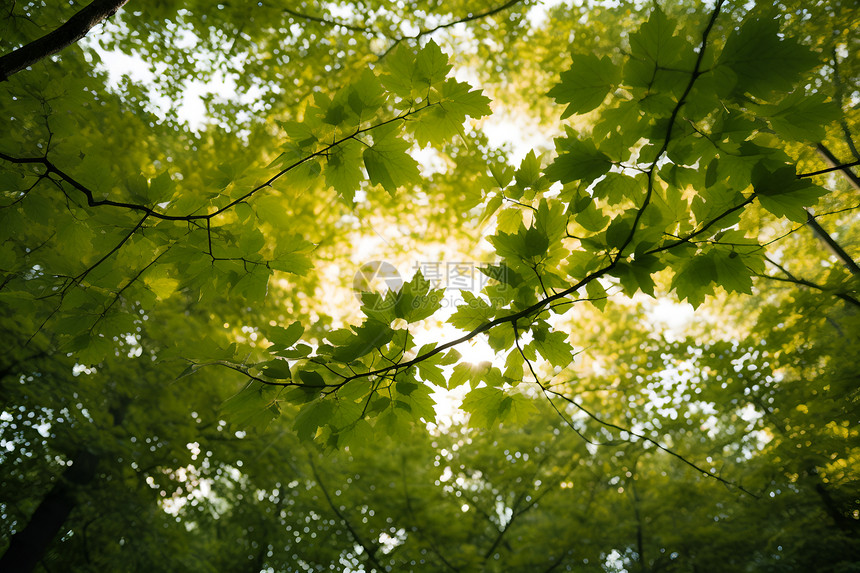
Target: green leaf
[(75, 240), (252, 286), (502, 173), (619, 230), (359, 434), (343, 169), (801, 117), (279, 369), (138, 188), (416, 301), (387, 162), (500, 339), (492, 205), (471, 373), (656, 53), (732, 274), (553, 346), (398, 72), (334, 113), (311, 378), (379, 307), (255, 406), (395, 422), (619, 128), (460, 100), (417, 399), (551, 220), (283, 337), (368, 337), (437, 124), (655, 40), (311, 417), (616, 187), (636, 274), (517, 408), (580, 263), (161, 188), (529, 172), (695, 279), (763, 62), (189, 370), (291, 255), (474, 312), (522, 249), (432, 373), (485, 406), (592, 218), (366, 96), (577, 160), (514, 364), (163, 286), (596, 294), (585, 85), (509, 220), (535, 241), (300, 351), (301, 136), (783, 194), (431, 65)]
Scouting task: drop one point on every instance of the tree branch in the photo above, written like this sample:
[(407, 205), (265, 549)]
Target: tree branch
[(418, 528), (640, 545), (694, 75), (790, 278), (831, 243), (469, 18), (594, 417), (654, 442), (371, 553), (149, 211), (838, 96), (67, 34), (335, 23), (835, 167), (835, 164)]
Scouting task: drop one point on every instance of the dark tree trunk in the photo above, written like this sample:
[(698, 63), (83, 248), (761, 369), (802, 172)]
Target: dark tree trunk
[(835, 247), (52, 42), (28, 545), (834, 162), (833, 510)]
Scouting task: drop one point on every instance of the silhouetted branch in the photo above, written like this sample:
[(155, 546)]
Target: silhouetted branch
[(371, 552), (73, 30)]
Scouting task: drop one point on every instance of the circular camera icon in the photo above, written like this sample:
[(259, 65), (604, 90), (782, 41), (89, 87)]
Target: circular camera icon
[(377, 277)]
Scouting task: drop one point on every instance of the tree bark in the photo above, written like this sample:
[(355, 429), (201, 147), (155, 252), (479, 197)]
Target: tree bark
[(73, 30), (28, 545), (846, 524), (835, 247), (834, 162)]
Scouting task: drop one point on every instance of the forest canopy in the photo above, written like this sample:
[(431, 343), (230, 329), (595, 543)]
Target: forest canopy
[(429, 286)]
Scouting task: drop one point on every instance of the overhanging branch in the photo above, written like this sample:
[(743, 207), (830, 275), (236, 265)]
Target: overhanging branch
[(67, 34), (88, 193)]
